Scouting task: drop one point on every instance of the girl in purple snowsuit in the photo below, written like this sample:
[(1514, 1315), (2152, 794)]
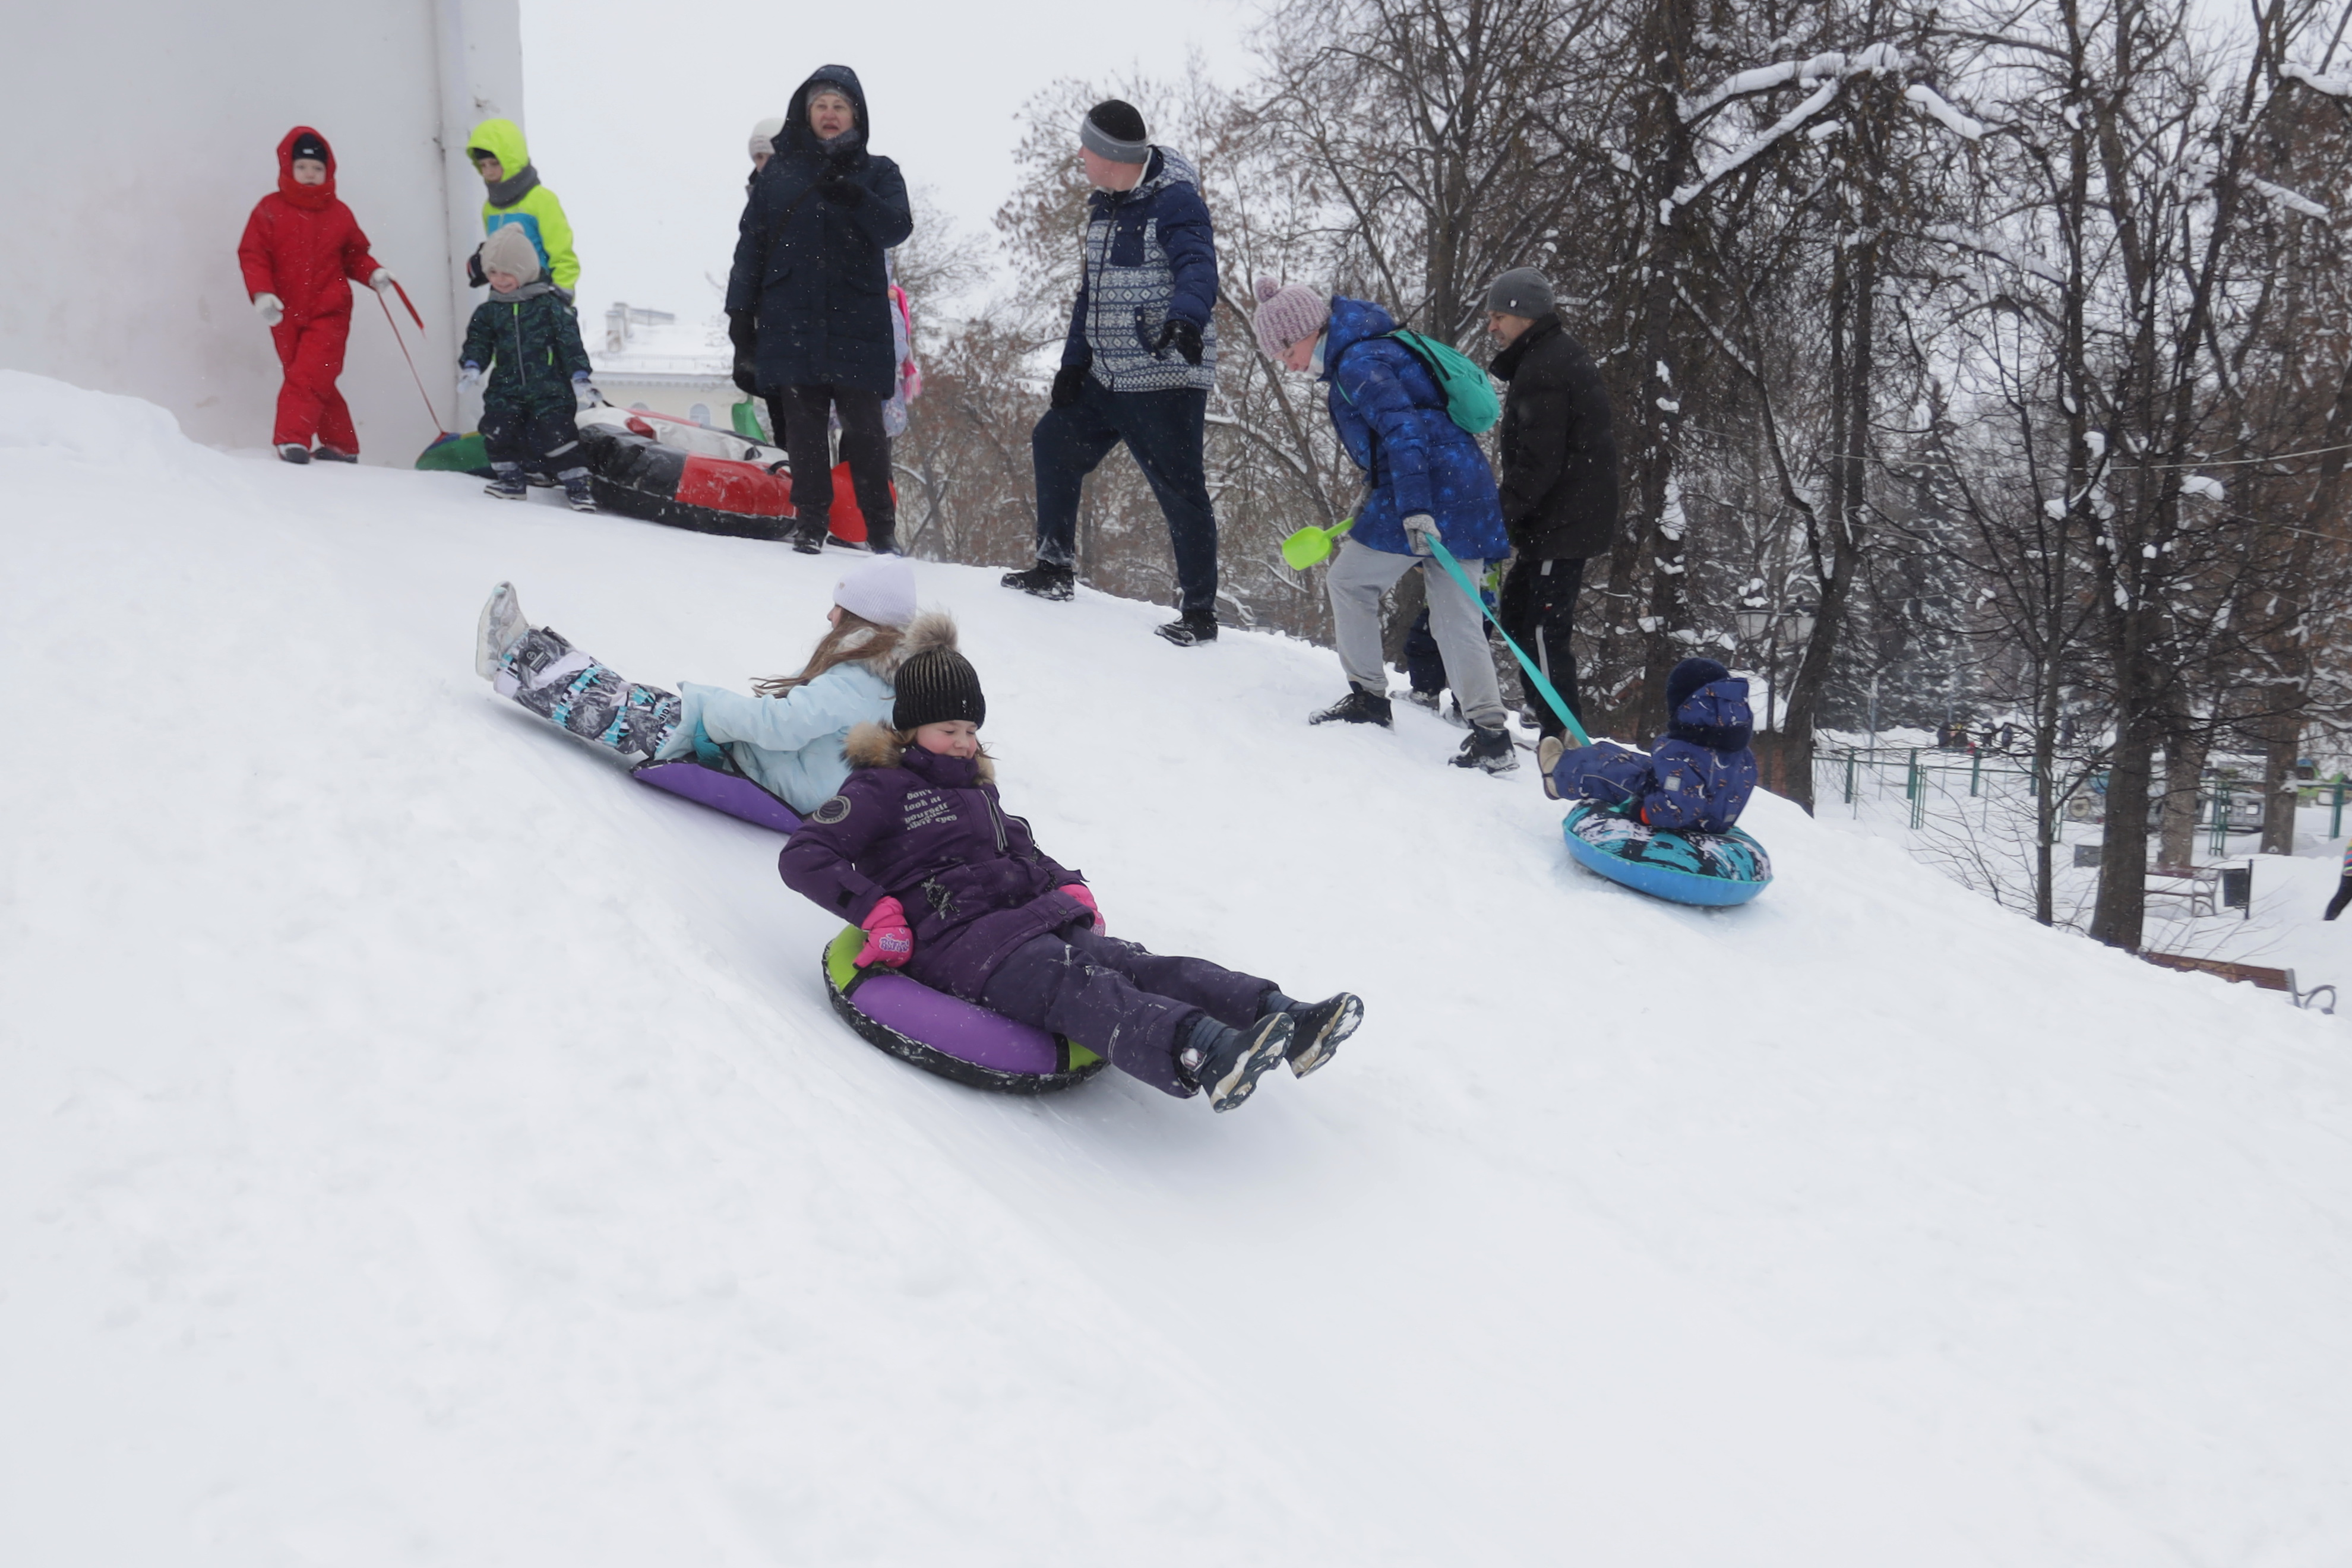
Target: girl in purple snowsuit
[(917, 850)]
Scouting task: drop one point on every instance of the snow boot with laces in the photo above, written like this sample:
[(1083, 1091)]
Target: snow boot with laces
[(1317, 1027), (507, 483), (1359, 707), (1227, 1062), (579, 493), (1488, 749), (1045, 580)]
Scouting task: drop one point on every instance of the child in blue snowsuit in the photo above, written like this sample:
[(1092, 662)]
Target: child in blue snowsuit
[(1696, 780)]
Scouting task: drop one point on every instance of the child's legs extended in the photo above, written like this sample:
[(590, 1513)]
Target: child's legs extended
[(1124, 1004), (568, 688), (544, 440)]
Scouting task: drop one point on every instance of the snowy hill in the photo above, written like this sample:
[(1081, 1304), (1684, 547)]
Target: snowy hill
[(420, 1144)]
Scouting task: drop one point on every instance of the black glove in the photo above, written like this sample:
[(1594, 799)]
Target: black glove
[(475, 277), (744, 331), (1184, 335), (835, 188), (1067, 383), (746, 381)]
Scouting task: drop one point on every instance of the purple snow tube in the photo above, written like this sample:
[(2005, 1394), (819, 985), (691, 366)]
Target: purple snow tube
[(730, 792), (946, 1035)]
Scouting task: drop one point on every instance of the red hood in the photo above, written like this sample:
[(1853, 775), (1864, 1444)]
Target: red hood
[(309, 197)]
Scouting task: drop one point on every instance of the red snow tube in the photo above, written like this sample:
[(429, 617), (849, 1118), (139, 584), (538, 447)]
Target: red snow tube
[(637, 476)]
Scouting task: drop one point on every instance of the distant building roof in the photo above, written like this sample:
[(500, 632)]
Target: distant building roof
[(653, 345)]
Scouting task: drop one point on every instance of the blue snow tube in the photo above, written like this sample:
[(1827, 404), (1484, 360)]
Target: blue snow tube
[(1712, 869)]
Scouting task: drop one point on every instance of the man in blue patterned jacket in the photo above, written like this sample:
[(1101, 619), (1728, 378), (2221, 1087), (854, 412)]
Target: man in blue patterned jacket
[(1138, 364)]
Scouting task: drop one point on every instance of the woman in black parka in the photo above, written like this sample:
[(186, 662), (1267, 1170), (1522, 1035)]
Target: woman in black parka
[(808, 304)]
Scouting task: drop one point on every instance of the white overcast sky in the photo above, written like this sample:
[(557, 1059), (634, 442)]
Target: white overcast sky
[(638, 115)]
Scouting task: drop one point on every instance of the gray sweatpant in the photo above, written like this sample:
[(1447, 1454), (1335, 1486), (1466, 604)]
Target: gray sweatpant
[(1358, 578)]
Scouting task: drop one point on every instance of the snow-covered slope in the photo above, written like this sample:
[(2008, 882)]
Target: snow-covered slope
[(420, 1144)]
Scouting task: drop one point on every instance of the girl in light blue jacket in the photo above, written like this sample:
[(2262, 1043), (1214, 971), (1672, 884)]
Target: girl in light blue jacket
[(787, 737)]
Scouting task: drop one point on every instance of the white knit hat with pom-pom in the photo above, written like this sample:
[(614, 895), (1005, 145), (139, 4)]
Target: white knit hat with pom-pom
[(1288, 315)]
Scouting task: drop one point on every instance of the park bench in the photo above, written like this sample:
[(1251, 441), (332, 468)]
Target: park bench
[(2200, 885), (2254, 974)]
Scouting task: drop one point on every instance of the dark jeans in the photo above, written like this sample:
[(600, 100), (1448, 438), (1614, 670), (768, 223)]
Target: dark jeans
[(1163, 432), (1539, 609), (548, 442), (802, 417), (1125, 1004)]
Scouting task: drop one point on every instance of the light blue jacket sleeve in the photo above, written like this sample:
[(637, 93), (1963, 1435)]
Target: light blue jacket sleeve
[(791, 744)]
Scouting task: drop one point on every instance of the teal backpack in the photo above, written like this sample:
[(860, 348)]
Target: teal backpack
[(1470, 400)]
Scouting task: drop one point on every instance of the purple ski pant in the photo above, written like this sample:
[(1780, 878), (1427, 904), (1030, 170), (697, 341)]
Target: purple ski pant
[(1125, 1004)]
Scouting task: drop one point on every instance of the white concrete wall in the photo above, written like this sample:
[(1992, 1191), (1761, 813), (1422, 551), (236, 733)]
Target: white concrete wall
[(140, 137)]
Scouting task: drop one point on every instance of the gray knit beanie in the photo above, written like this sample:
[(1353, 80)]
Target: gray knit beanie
[(1288, 315), (764, 137), (1115, 131), (509, 250), (1522, 291)]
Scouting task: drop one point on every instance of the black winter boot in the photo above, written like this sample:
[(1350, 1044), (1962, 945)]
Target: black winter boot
[(294, 452), (506, 483), (1359, 707), (1046, 580), (1488, 749), (326, 453), (882, 541), (1228, 1062), (1317, 1027), (809, 535), (1190, 628)]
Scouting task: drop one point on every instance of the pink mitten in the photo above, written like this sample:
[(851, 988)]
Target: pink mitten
[(888, 937), (1085, 896)]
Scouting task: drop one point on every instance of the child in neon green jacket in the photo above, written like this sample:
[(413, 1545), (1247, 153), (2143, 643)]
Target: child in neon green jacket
[(515, 196)]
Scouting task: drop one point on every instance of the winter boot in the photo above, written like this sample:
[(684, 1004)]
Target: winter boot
[(500, 627), (579, 493), (294, 452), (326, 453), (1359, 707), (883, 541), (1190, 629), (1228, 1062), (540, 482), (1317, 1027), (1548, 751), (1488, 749), (508, 485), (1429, 699), (808, 535), (1046, 580)]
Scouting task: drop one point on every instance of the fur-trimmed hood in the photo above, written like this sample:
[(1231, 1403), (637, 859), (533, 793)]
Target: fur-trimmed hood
[(878, 746)]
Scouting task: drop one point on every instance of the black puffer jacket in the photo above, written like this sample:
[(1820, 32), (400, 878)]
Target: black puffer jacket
[(809, 276), (1558, 473)]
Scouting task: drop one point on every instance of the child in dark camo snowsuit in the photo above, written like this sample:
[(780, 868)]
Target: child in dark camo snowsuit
[(917, 850), (528, 337)]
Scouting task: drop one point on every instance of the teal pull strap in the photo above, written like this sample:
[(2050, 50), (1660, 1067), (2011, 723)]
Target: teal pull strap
[(706, 750), (1543, 684)]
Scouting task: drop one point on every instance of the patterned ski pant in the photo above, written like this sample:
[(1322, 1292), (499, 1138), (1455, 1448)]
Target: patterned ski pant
[(569, 689)]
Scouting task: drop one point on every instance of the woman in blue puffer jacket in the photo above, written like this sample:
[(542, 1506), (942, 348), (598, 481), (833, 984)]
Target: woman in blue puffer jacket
[(1426, 477), (788, 737)]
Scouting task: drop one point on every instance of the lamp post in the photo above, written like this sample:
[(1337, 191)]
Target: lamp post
[(1755, 619)]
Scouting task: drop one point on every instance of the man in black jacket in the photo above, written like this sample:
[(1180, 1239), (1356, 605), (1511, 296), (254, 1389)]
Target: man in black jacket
[(1558, 481)]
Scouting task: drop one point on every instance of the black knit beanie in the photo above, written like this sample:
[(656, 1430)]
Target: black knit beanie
[(936, 687), (1113, 130), (1688, 677), (309, 145)]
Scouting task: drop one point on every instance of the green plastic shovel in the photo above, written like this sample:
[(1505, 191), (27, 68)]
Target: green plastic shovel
[(1312, 546)]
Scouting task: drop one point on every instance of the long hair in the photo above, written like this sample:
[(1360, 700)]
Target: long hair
[(853, 639)]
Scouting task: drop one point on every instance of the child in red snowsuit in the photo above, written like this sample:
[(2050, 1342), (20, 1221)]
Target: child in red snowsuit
[(299, 246)]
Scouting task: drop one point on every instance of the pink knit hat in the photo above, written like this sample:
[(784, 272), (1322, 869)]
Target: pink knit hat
[(1285, 316)]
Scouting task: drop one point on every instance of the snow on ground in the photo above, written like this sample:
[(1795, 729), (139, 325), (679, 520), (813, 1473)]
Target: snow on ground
[(420, 1144)]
